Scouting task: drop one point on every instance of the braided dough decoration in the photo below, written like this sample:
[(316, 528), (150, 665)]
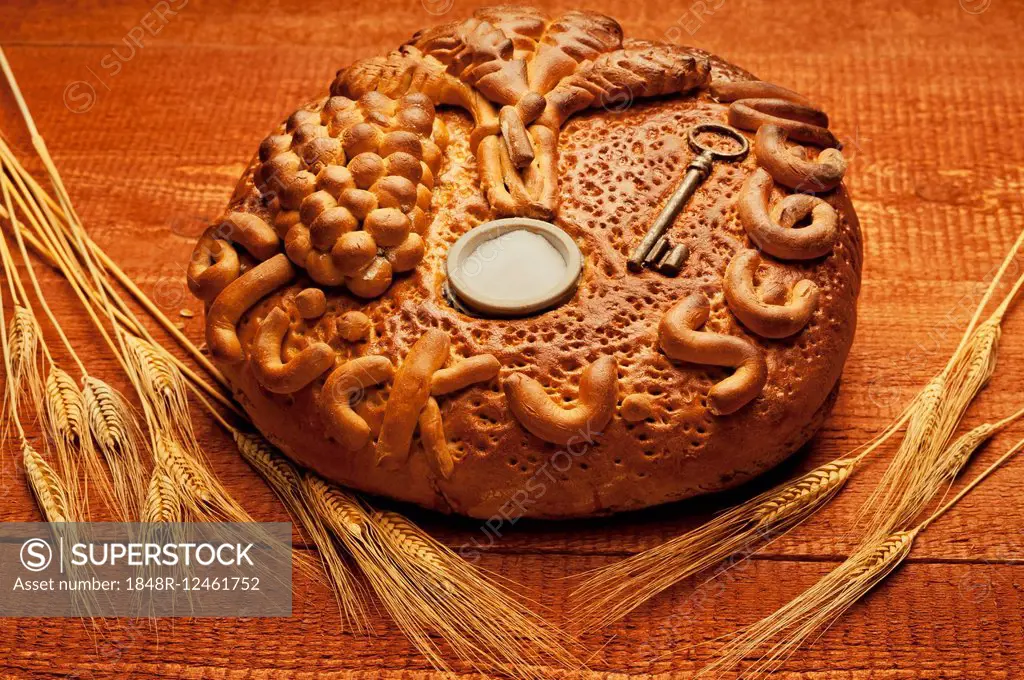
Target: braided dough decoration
[(349, 188), (680, 339), (286, 377), (537, 72), (767, 320), (775, 233), (551, 422)]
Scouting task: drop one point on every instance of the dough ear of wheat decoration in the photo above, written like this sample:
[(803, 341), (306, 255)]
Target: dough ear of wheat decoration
[(789, 627), (611, 592), (521, 74)]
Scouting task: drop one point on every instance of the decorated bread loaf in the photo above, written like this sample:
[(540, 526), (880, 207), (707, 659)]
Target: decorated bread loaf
[(326, 281)]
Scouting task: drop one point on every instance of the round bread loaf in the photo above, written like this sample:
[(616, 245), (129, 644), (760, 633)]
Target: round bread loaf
[(325, 279)]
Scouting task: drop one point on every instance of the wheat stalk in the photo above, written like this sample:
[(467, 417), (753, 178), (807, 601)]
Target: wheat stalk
[(824, 602), (611, 592), (429, 590), (915, 474), (286, 482), (785, 630)]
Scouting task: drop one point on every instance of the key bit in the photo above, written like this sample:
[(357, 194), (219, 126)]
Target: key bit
[(672, 263), (658, 251)]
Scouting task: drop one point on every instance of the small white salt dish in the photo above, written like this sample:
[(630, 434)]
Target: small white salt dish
[(513, 267)]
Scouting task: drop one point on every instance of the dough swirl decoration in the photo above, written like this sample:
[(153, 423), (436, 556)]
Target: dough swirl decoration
[(323, 279)]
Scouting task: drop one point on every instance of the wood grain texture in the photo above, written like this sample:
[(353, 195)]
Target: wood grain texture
[(926, 96)]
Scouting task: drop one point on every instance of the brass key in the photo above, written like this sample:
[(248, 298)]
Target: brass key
[(696, 173)]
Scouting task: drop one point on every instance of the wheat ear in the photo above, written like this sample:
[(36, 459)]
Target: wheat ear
[(478, 618), (428, 591), (165, 388), (68, 428), (24, 379), (609, 593), (120, 440), (351, 525), (785, 630), (46, 486), (163, 501), (286, 482), (913, 477)]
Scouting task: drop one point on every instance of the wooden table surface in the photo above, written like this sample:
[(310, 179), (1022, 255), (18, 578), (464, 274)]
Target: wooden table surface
[(151, 118)]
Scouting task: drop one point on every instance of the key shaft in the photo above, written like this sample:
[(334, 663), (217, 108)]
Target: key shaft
[(696, 173)]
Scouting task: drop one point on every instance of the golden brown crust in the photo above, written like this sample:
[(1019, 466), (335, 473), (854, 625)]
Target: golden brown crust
[(446, 422)]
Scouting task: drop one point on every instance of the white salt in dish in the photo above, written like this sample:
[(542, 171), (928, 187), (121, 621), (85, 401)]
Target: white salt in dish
[(513, 267)]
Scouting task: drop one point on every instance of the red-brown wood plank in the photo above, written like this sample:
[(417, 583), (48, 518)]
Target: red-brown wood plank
[(927, 97)]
